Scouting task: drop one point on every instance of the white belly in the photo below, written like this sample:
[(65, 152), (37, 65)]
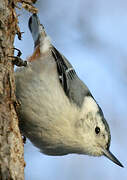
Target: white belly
[(45, 109)]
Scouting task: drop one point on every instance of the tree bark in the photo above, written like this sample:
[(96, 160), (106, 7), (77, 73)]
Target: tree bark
[(11, 144)]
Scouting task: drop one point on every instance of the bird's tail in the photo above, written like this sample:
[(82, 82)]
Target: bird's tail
[(38, 33)]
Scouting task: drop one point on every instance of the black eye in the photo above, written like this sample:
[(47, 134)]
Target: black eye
[(97, 130)]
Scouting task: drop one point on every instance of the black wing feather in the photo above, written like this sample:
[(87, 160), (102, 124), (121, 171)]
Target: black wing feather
[(65, 72)]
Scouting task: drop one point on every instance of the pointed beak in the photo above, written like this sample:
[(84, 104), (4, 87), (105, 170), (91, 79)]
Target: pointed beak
[(110, 156)]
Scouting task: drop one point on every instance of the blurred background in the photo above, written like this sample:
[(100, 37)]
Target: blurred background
[(93, 36)]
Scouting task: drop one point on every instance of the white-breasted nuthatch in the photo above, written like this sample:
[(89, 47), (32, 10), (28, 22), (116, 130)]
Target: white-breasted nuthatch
[(58, 113)]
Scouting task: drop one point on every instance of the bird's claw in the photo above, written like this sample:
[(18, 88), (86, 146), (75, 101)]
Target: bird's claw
[(17, 60)]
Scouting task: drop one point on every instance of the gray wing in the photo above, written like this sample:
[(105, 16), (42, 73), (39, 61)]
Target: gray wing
[(73, 87)]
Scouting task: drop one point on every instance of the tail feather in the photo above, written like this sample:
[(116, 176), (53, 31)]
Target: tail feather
[(38, 33)]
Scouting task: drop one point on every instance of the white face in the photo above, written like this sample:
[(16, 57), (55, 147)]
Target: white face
[(95, 129)]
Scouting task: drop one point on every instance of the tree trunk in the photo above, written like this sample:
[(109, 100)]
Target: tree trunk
[(11, 144)]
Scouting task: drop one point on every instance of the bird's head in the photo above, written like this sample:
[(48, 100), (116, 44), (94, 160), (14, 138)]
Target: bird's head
[(95, 131)]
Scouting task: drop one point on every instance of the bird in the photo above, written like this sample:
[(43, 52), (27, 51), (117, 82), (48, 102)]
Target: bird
[(58, 113)]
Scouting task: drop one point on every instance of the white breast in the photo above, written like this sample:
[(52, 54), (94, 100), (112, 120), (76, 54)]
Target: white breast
[(46, 112)]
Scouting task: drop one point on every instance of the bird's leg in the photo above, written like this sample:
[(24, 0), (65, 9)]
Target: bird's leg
[(17, 60), (24, 139), (17, 105)]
